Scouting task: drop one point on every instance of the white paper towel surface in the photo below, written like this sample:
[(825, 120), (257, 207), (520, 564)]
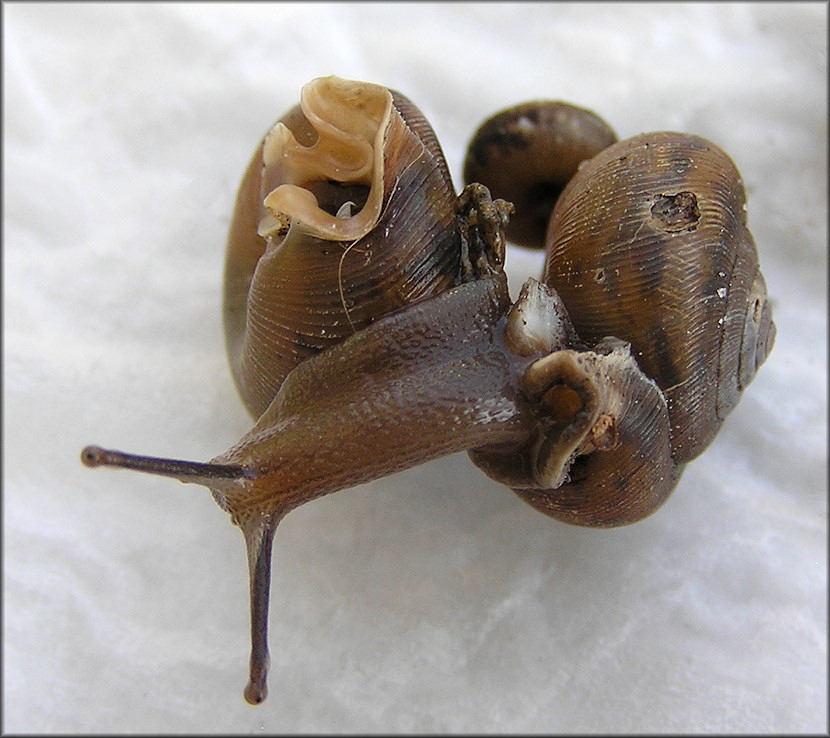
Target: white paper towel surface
[(433, 600)]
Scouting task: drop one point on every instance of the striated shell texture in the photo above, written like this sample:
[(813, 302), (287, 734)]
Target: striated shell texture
[(345, 214), (599, 450), (604, 457), (649, 243)]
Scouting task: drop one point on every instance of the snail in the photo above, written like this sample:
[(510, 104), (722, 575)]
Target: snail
[(369, 326)]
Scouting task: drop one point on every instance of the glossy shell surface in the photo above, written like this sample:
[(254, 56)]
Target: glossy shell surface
[(346, 213), (526, 155), (649, 243)]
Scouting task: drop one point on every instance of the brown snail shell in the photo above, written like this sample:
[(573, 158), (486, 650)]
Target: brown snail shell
[(600, 452), (526, 155), (617, 467), (649, 243), (304, 268)]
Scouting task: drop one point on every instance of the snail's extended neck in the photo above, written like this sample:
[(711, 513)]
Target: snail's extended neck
[(429, 381)]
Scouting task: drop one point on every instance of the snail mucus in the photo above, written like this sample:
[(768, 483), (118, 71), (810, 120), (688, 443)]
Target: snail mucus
[(369, 326)]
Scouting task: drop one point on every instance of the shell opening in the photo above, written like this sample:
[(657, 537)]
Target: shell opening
[(324, 156), (570, 404), (562, 404), (601, 455)]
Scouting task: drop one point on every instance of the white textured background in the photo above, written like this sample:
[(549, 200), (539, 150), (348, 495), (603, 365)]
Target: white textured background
[(434, 600)]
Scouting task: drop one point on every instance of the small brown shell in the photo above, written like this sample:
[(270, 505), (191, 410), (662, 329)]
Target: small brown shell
[(600, 451), (649, 243), (527, 154), (605, 458), (304, 269)]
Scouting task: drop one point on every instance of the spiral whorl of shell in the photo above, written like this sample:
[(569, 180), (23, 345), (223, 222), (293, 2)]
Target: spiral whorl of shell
[(346, 213), (649, 243)]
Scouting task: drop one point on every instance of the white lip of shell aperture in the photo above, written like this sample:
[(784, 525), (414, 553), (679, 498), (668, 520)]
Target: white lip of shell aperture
[(350, 119)]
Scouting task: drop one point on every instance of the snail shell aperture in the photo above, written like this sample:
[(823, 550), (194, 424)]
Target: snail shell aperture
[(346, 213), (369, 326)]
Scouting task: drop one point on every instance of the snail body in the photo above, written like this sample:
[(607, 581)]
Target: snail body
[(369, 326)]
